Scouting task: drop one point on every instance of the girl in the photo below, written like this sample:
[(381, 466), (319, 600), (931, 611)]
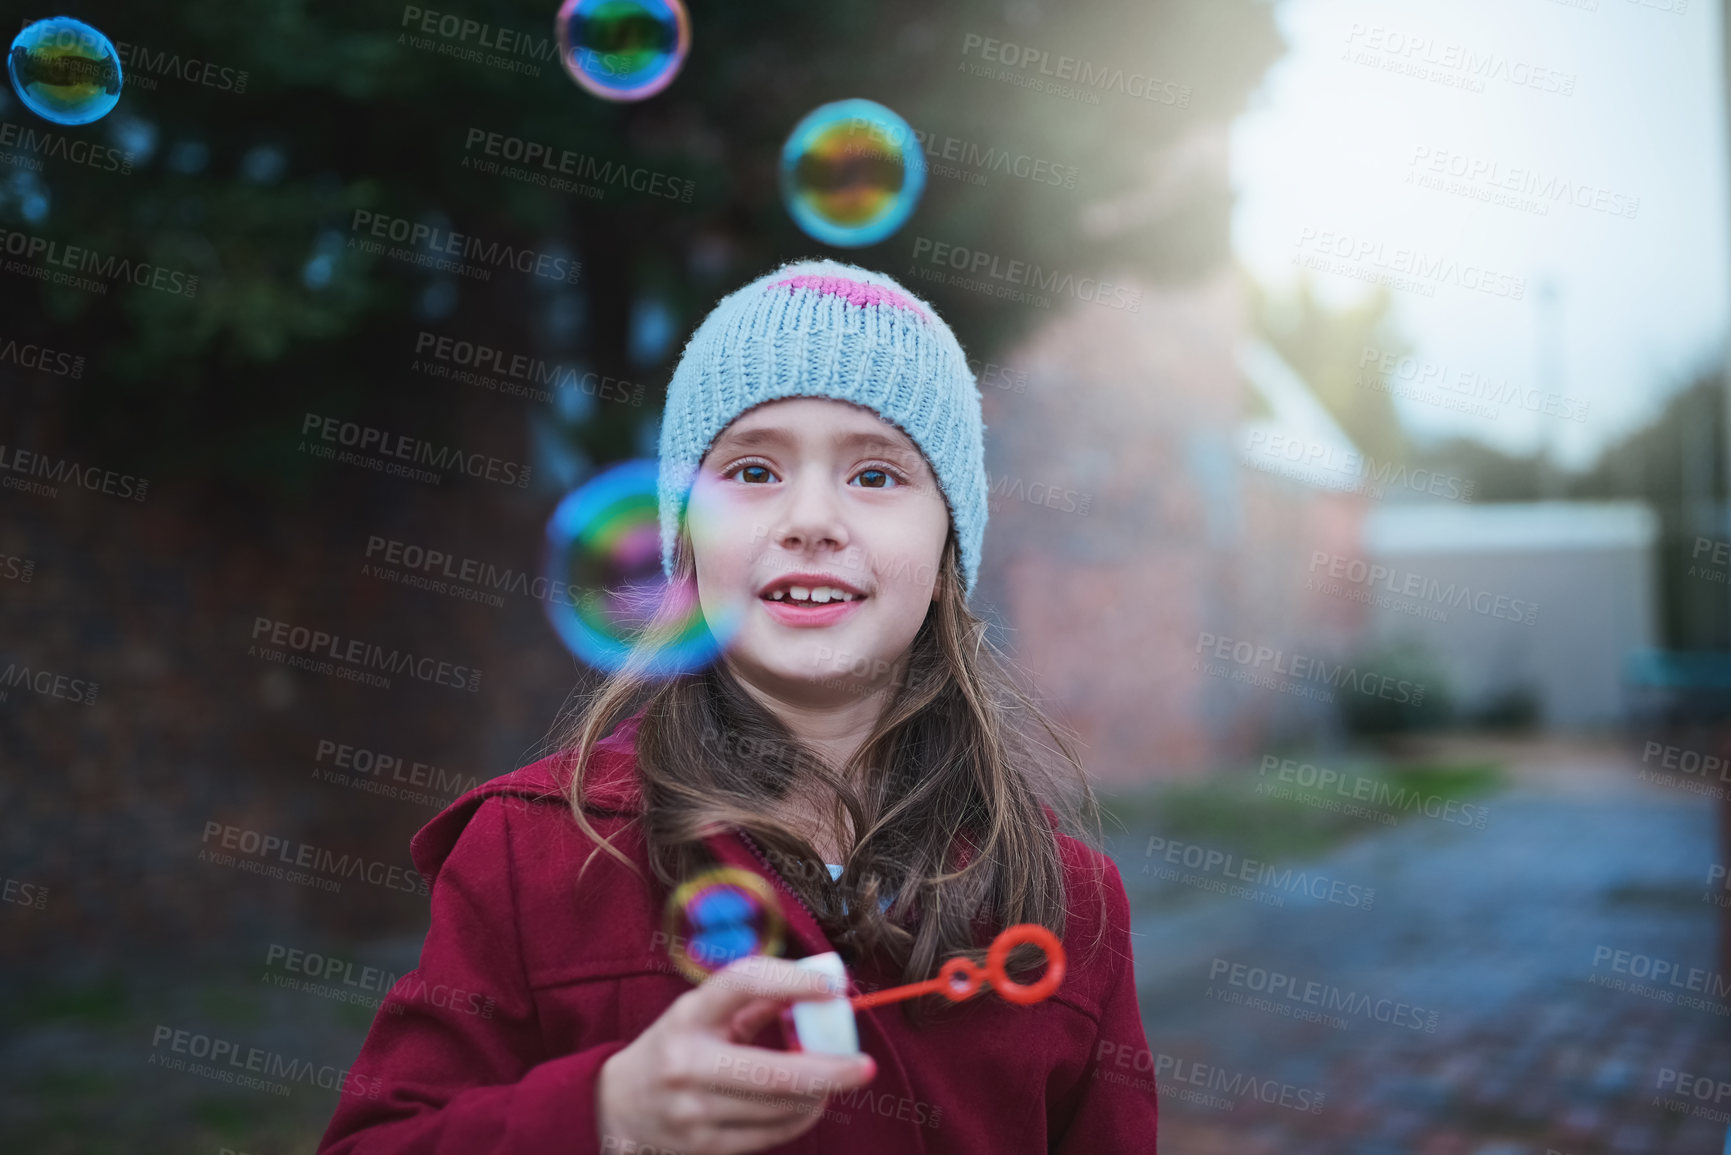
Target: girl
[(858, 745)]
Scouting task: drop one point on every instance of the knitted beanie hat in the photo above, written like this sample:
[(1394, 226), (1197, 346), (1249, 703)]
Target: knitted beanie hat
[(826, 329)]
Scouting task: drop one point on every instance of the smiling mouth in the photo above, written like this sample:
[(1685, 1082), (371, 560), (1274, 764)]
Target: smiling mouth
[(802, 596)]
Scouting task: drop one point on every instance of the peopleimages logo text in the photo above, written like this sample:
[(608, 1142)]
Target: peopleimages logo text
[(1083, 74), (28, 355), (1425, 54), (1461, 385), (1024, 274), (47, 683), (567, 163), (41, 142), (370, 439), (315, 858), (365, 654), (1226, 864), (88, 260), (527, 370), (228, 1061), (1306, 668), (1280, 985), (1394, 580), (1348, 470), (1426, 268), (466, 245), (61, 470), (470, 571)]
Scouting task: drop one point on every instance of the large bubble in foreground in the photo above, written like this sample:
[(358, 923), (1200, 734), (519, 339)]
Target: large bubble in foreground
[(718, 917), (605, 585), (623, 49), (65, 71), (851, 173)]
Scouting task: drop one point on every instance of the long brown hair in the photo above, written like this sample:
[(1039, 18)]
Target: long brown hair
[(955, 756)]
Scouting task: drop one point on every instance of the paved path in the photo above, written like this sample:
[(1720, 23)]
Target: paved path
[(1495, 936)]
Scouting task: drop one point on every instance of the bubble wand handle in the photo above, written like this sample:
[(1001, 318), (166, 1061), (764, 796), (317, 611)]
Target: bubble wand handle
[(961, 978), (935, 986)]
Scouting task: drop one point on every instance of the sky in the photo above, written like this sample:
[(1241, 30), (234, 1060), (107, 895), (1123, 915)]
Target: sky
[(1615, 104)]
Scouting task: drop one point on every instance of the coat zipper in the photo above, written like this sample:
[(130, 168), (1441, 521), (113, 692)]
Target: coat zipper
[(776, 874)]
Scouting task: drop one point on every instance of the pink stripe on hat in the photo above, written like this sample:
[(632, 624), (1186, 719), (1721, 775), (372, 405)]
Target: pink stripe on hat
[(853, 292)]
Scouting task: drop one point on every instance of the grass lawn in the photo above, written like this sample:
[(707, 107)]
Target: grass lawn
[(1289, 814)]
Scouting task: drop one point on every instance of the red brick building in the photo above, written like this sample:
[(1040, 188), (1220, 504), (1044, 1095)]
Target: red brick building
[(1126, 528)]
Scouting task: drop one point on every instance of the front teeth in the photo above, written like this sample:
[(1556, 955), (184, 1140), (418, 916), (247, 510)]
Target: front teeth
[(819, 595)]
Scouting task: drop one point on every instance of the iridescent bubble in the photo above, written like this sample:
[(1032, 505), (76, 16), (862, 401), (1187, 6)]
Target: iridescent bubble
[(720, 916), (851, 173), (605, 585), (65, 70), (623, 49)]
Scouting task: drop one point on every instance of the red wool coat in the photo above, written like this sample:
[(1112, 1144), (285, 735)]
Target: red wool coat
[(529, 981)]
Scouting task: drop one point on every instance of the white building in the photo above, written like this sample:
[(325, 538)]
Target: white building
[(1550, 597)]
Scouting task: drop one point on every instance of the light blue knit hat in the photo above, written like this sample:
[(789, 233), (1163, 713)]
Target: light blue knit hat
[(822, 328)]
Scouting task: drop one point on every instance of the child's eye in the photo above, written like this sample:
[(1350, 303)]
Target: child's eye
[(759, 473), (871, 475)]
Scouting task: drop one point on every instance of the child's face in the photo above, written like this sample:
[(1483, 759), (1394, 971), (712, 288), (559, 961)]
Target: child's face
[(815, 486)]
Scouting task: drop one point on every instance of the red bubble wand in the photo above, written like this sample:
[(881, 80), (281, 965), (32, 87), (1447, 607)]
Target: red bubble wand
[(962, 978), (828, 1025)]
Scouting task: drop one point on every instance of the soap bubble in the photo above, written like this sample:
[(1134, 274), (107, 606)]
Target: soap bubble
[(605, 583), (65, 70), (720, 916), (851, 173), (623, 49)]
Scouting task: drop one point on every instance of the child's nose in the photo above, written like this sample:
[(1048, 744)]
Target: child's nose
[(812, 516)]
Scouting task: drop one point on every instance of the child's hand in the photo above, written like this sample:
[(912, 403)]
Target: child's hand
[(688, 1083)]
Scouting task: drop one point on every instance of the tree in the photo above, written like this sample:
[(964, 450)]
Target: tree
[(373, 108), (1329, 349)]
